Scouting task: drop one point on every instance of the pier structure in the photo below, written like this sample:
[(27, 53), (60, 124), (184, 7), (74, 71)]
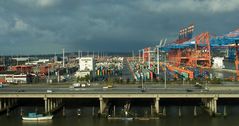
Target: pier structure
[(53, 101), (7, 103), (211, 105), (52, 104), (103, 105)]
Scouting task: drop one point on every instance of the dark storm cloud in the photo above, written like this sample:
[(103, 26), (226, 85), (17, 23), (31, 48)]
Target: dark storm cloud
[(47, 26)]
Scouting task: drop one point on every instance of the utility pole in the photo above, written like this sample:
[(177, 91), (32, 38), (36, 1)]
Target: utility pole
[(63, 60), (48, 76), (143, 55), (149, 57), (98, 54), (139, 55), (80, 58), (142, 84), (157, 60), (165, 71), (79, 53), (158, 46)]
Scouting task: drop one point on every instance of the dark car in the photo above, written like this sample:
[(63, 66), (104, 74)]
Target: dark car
[(198, 85), (189, 90), (20, 90), (143, 90)]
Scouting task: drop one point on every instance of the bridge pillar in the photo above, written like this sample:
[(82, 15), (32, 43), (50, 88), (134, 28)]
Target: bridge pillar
[(156, 104), (211, 105), (50, 104), (14, 101), (59, 102), (215, 105), (103, 104), (46, 104), (53, 103), (207, 103), (56, 102), (0, 104), (9, 103), (4, 103)]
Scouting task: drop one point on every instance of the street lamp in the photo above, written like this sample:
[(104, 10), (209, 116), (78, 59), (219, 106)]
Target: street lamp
[(165, 71), (142, 86), (206, 85)]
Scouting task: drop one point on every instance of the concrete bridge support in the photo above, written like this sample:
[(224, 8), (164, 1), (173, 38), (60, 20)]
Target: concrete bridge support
[(7, 103), (127, 106), (214, 105), (103, 104), (52, 104), (156, 105), (211, 105), (0, 104), (46, 105), (4, 103)]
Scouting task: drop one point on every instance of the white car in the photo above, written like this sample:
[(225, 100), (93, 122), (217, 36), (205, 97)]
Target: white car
[(83, 85), (49, 91)]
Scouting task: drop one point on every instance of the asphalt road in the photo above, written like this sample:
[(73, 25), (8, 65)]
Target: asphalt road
[(118, 89), (126, 74)]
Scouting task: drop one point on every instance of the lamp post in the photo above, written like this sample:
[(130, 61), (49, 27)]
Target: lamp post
[(142, 76), (143, 56), (165, 71), (142, 86), (157, 60), (206, 85), (139, 55)]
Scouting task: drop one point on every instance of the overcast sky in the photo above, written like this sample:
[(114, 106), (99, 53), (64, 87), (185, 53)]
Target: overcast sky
[(47, 26)]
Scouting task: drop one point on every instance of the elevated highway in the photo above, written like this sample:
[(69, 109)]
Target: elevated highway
[(53, 96)]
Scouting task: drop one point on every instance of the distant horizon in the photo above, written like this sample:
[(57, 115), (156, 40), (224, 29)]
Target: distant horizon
[(66, 53)]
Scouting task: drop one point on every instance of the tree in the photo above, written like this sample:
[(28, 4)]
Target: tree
[(77, 79)]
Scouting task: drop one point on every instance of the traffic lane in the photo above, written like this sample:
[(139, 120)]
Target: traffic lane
[(97, 90), (118, 89)]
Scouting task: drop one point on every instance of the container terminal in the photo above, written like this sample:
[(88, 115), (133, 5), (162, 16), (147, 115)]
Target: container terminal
[(186, 65), (204, 57)]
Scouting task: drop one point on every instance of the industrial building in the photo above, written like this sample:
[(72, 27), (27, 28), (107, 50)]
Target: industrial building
[(189, 57), (86, 64), (16, 79), (86, 67)]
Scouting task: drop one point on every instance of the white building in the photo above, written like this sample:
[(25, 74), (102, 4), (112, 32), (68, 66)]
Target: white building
[(11, 78), (86, 67), (86, 64), (218, 62), (40, 61)]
